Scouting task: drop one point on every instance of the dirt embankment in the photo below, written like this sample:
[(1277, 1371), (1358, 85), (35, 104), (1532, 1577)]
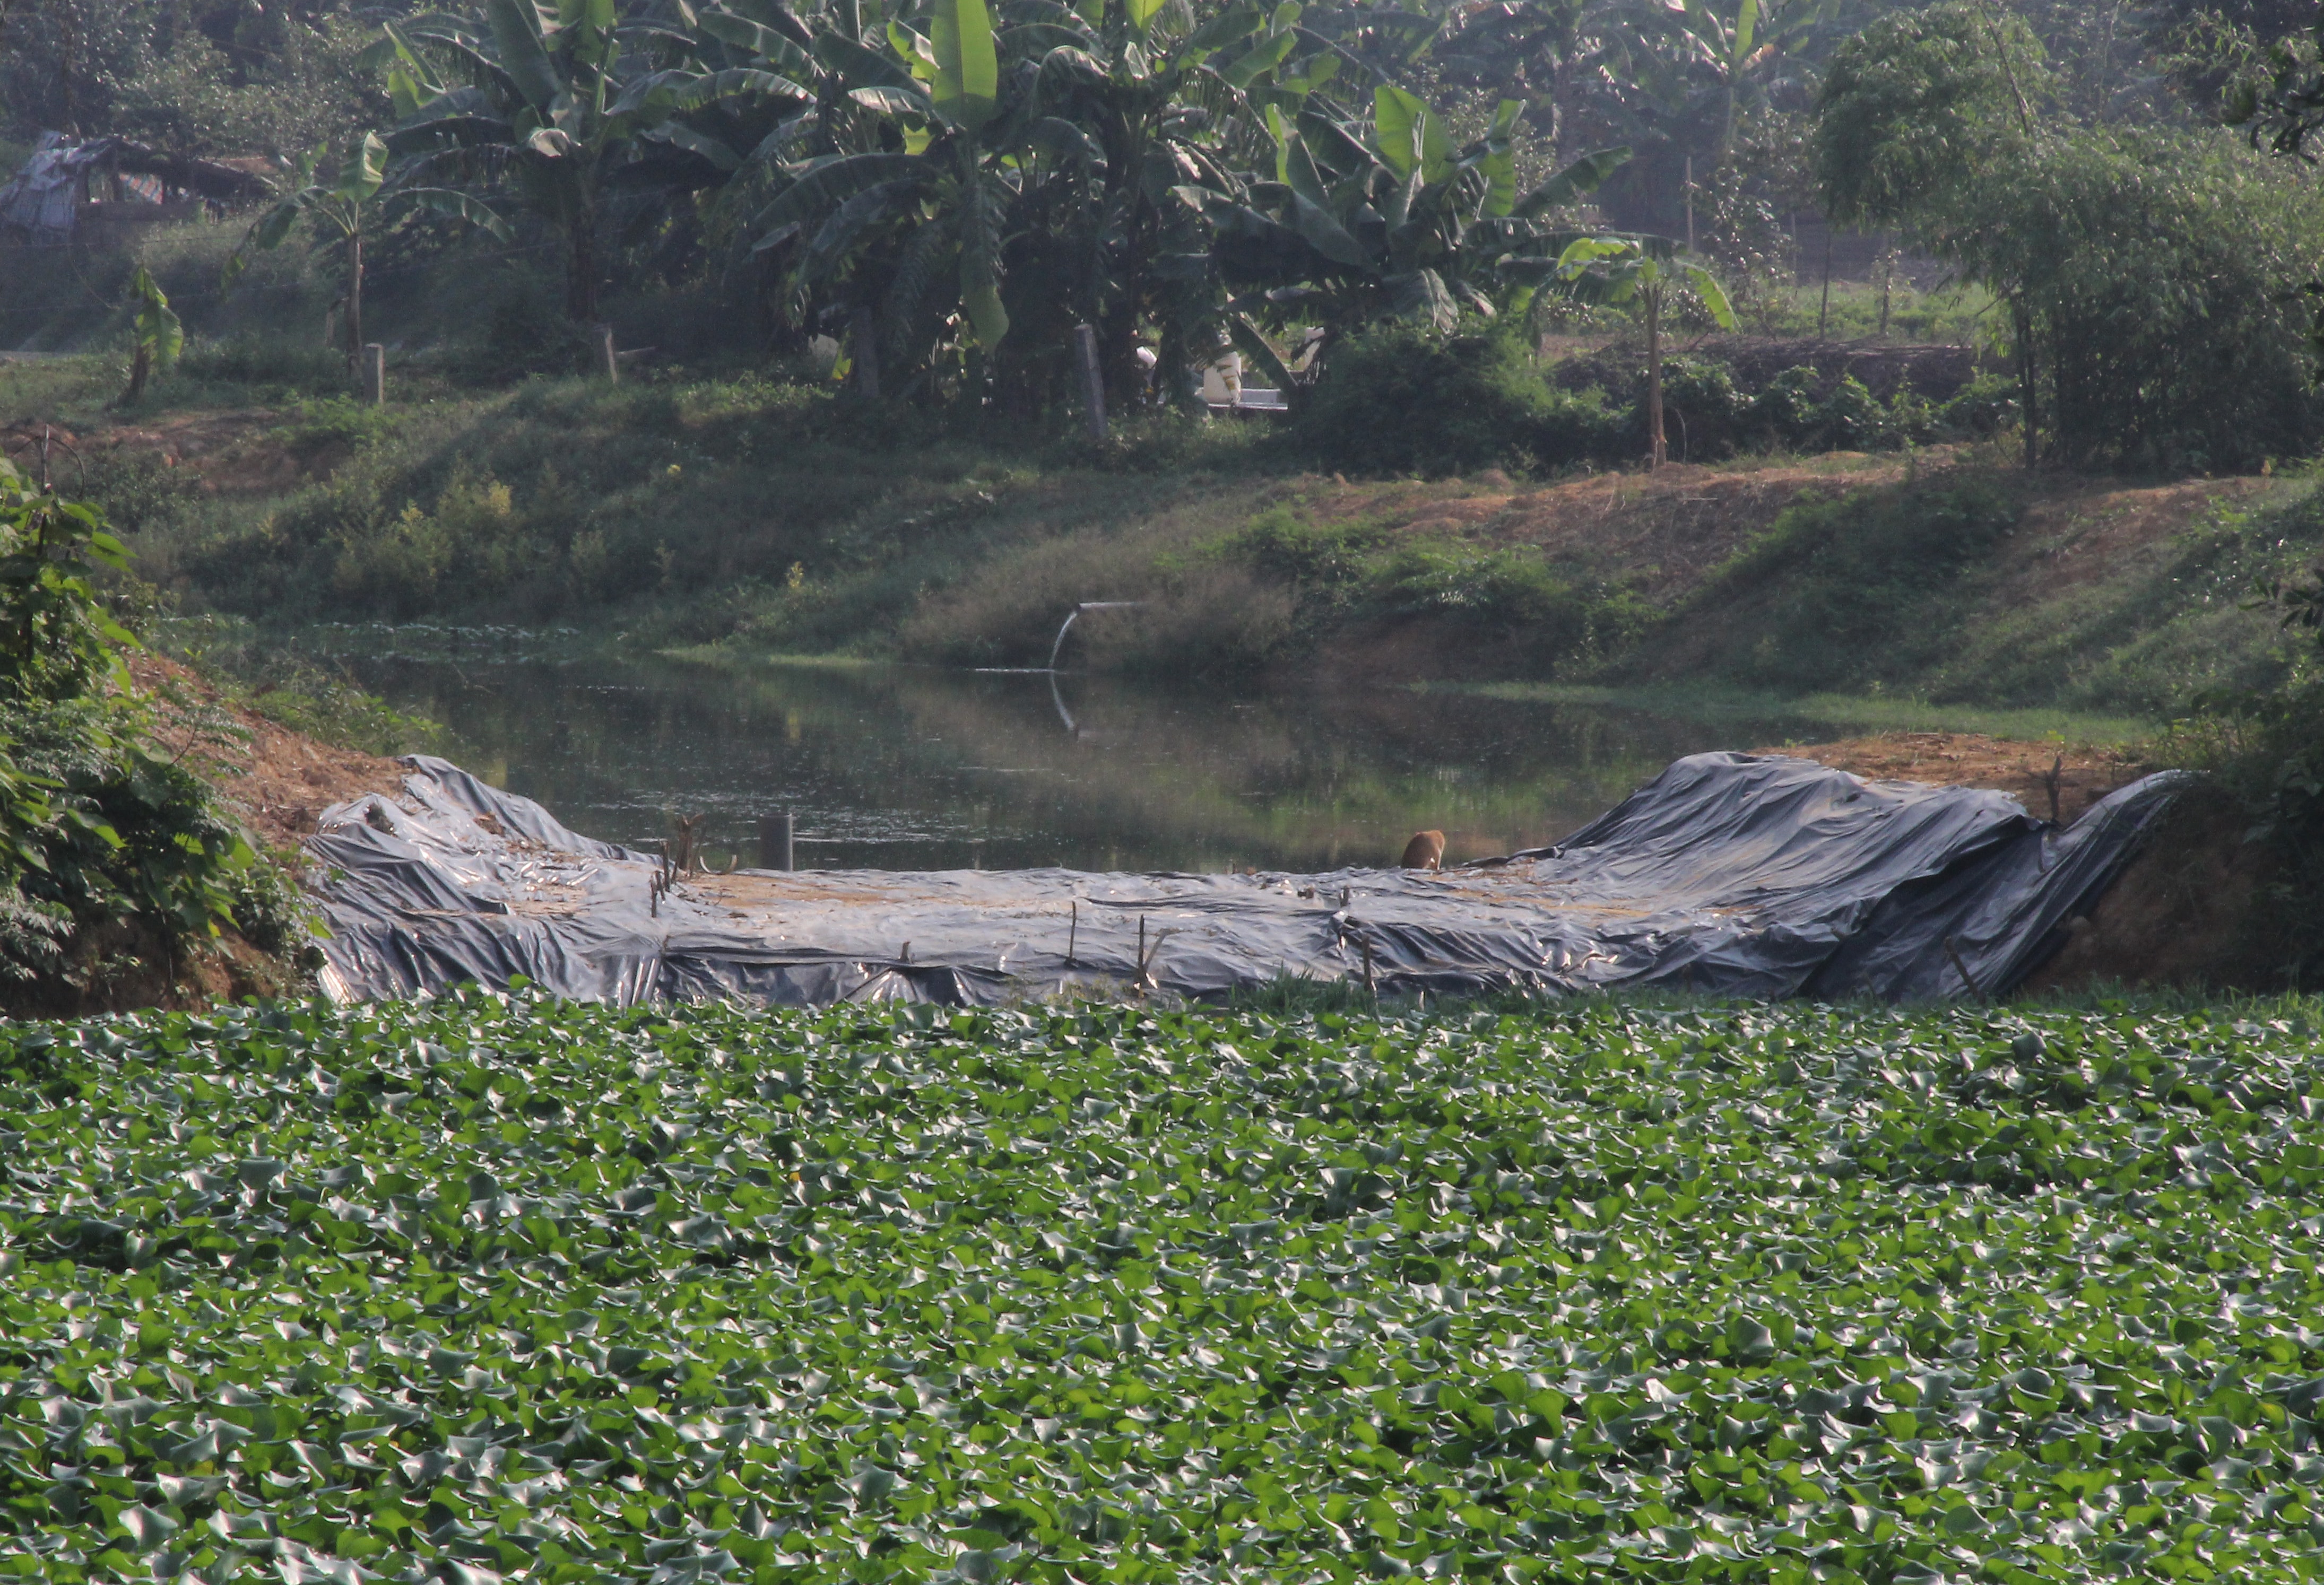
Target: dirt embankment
[(278, 780), (240, 452), (2056, 781), (1658, 534), (2180, 915), (1662, 536)]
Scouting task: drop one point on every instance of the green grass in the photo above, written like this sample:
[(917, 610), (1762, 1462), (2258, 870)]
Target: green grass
[(1855, 712), (484, 1288)]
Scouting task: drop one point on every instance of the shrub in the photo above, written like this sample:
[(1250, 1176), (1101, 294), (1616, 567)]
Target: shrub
[(1400, 400), (108, 849), (1851, 417), (253, 358), (1708, 410), (1983, 408), (1785, 407)]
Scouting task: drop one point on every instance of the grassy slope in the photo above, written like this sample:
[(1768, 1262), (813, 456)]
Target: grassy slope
[(769, 518)]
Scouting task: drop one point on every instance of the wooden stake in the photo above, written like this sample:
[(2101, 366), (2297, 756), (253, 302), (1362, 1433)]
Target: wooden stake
[(1093, 381), (1961, 969), (775, 841), (863, 354)]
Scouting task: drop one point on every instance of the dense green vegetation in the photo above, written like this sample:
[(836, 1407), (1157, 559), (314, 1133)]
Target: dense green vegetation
[(116, 860), (925, 201), (1596, 1292), (2096, 237)]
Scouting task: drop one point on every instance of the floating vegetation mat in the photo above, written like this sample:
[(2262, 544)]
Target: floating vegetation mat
[(486, 1288)]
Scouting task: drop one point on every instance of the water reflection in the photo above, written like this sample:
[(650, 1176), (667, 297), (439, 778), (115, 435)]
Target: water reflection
[(907, 768)]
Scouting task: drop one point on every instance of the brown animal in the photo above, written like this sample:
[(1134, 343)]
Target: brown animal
[(1426, 851)]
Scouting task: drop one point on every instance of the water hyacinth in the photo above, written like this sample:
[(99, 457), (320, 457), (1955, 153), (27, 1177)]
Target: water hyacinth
[(506, 1288)]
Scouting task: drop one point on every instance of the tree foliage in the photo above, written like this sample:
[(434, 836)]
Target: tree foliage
[(101, 835), (1919, 106)]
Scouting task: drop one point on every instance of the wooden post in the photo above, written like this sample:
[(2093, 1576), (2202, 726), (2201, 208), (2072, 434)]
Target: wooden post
[(1823, 313), (863, 354), (1657, 445), (1093, 381), (374, 373), (608, 363), (776, 836)]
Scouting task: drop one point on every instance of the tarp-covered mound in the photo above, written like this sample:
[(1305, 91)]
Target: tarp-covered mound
[(1734, 873)]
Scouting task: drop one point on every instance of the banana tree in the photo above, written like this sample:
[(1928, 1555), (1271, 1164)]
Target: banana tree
[(1390, 221), (933, 209), (1739, 49), (156, 336), (537, 100), (1641, 271), (1153, 102), (355, 200)]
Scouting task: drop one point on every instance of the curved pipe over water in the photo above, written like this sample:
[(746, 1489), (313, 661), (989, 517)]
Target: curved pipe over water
[(1075, 614)]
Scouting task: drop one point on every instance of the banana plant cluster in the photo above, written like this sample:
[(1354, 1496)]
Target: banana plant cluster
[(957, 183), (1360, 224), (1030, 170), (556, 105), (343, 208)]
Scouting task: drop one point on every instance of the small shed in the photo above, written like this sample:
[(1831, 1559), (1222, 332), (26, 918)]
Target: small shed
[(96, 188)]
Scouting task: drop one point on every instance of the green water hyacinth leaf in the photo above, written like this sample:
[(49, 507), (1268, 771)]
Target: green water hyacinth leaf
[(489, 1288)]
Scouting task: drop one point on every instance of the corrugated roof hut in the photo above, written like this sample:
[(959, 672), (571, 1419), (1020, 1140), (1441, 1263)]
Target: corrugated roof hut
[(96, 189)]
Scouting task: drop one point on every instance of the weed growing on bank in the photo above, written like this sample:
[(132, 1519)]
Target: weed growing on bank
[(485, 1285)]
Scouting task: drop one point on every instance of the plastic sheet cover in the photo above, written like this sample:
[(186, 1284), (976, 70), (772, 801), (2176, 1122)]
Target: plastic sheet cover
[(1737, 874)]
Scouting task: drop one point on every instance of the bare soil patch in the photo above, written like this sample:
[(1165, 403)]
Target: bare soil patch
[(236, 452), (2181, 915), (276, 779), (2082, 534), (2082, 774)]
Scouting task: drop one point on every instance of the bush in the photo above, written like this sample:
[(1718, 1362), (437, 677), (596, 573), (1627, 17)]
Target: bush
[(1851, 418), (2162, 268), (256, 358), (2264, 748), (109, 851), (1705, 407), (1399, 400), (1785, 407), (1983, 408)]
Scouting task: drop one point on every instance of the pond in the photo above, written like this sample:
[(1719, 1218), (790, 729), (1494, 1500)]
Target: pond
[(908, 768)]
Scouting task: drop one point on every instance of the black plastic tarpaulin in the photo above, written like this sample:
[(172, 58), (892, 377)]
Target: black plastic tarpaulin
[(1748, 875)]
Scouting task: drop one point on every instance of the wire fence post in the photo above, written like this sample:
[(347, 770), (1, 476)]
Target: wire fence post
[(775, 837), (1093, 381)]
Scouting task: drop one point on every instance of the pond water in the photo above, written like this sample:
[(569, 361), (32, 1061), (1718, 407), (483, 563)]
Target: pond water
[(911, 768)]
